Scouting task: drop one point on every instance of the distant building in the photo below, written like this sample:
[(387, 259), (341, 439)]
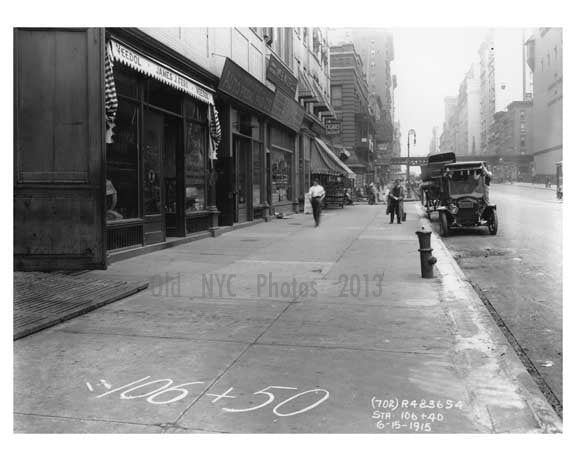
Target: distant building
[(510, 141), (544, 57), (353, 106), (501, 76), (448, 136), (376, 49)]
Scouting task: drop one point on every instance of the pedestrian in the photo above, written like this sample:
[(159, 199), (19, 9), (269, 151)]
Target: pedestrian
[(395, 199), (317, 194)]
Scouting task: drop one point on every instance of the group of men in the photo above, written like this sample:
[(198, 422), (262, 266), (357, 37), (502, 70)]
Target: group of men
[(395, 199)]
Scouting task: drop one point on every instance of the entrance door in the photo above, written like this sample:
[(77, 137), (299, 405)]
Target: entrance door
[(242, 154), (153, 144)]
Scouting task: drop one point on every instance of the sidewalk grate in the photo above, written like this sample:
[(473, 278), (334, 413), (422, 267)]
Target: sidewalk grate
[(42, 300)]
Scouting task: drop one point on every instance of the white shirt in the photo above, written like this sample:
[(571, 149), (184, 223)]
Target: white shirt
[(317, 191)]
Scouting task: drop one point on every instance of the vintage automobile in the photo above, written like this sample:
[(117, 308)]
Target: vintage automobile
[(432, 188), (467, 202)]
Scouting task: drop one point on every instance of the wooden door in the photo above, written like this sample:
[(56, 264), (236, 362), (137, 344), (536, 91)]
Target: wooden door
[(59, 149)]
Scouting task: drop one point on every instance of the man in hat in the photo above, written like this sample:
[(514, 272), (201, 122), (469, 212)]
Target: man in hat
[(395, 197)]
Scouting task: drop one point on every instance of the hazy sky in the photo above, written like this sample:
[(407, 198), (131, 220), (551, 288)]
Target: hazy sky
[(430, 64)]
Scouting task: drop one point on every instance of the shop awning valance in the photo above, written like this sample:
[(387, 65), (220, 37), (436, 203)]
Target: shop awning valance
[(150, 67), (335, 160)]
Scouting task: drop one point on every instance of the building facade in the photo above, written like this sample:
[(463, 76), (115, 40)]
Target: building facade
[(154, 134), (502, 79), (375, 46), (544, 57), (351, 101)]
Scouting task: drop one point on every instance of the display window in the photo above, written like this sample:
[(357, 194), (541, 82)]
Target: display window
[(122, 183), (281, 169), (195, 166)]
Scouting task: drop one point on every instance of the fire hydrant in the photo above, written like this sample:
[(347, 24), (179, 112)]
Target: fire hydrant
[(427, 261)]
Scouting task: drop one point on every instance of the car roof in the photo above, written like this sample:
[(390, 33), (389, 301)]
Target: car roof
[(463, 165)]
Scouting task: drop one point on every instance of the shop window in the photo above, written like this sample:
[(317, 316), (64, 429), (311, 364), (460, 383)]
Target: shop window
[(122, 165), (126, 81), (256, 173), (158, 94), (281, 168), (195, 110), (195, 166)]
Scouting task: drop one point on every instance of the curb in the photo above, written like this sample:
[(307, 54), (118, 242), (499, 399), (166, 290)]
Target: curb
[(504, 355)]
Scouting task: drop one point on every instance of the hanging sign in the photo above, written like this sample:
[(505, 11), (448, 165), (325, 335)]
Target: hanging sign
[(160, 72)]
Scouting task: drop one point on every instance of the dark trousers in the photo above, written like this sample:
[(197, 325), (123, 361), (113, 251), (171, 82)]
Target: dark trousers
[(316, 209), (395, 208)]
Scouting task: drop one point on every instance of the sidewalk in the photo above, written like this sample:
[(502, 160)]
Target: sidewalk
[(283, 328)]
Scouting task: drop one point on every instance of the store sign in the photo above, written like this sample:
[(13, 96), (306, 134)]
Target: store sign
[(158, 71), (333, 127), (287, 111), (239, 84), (281, 76)]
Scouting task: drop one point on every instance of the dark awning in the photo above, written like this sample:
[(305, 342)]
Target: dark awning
[(334, 158)]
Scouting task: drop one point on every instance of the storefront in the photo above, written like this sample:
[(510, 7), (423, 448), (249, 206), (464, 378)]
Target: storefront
[(256, 166), (114, 135), (158, 154)]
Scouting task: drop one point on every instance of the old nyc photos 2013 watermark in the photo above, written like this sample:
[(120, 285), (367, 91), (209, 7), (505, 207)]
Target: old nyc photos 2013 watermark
[(265, 285)]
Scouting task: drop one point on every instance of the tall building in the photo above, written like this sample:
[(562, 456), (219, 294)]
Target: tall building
[(375, 47), (448, 136), (544, 57), (501, 76), (353, 105)]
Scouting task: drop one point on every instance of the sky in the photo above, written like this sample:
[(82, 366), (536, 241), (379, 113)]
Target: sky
[(429, 64)]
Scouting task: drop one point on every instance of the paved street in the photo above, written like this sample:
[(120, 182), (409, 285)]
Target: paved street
[(283, 327), (520, 271)]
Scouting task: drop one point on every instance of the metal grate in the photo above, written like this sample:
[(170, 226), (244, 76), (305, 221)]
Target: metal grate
[(42, 300), (124, 237), (197, 224)]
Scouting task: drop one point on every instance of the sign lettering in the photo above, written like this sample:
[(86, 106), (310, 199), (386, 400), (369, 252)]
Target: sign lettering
[(159, 72)]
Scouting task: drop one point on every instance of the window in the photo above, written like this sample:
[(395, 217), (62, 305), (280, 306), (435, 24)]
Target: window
[(548, 57), (542, 64), (555, 52), (522, 115), (256, 172), (281, 168), (522, 142), (194, 166), (522, 126), (336, 96), (122, 165)]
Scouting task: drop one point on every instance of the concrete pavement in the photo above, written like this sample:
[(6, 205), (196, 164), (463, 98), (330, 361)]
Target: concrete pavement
[(283, 327)]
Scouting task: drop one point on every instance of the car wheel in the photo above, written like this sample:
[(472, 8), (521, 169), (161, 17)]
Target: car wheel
[(493, 224)]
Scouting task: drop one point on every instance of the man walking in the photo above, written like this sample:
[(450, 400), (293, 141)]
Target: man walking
[(396, 196), (317, 194)]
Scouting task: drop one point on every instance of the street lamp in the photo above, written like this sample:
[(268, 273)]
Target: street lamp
[(413, 133)]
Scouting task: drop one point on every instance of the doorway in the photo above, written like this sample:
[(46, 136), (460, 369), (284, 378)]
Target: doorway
[(242, 160), (152, 159)]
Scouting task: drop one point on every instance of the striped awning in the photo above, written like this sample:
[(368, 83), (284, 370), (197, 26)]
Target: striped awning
[(116, 51), (215, 131), (110, 96), (159, 71)]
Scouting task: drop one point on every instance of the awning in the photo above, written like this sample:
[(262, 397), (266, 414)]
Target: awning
[(334, 160), (305, 90), (150, 67)]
